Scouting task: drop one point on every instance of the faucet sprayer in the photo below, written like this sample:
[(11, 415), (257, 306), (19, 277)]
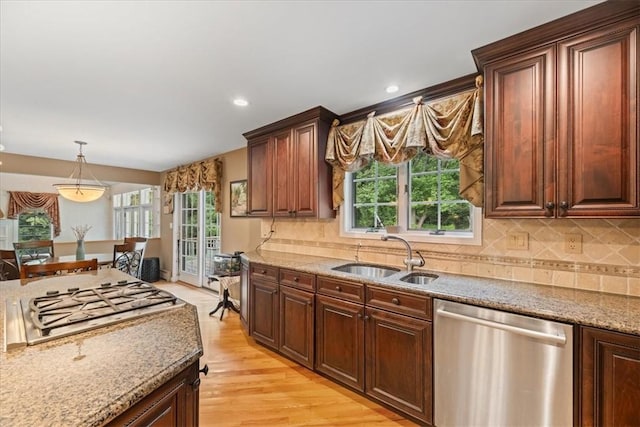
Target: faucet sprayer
[(410, 262)]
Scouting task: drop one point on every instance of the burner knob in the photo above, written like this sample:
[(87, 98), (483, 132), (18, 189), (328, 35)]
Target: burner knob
[(122, 282), (105, 285), (73, 289), (52, 293)]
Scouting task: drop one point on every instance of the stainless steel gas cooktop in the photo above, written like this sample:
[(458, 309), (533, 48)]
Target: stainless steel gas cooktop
[(57, 314)]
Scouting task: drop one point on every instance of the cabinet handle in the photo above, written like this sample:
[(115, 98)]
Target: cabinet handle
[(549, 207), (338, 288), (396, 301)]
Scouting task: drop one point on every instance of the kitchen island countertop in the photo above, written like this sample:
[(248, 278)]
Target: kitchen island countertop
[(89, 378), (588, 308)]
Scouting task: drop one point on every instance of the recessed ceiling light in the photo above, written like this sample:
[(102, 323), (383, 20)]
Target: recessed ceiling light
[(241, 102), (392, 89)]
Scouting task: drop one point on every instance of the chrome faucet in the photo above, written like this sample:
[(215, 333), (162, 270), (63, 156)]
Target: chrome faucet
[(409, 261)]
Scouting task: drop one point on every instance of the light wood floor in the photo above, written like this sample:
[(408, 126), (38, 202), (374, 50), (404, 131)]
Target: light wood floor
[(249, 385)]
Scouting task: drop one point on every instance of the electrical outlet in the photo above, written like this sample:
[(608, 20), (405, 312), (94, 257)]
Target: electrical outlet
[(573, 243), (518, 240)]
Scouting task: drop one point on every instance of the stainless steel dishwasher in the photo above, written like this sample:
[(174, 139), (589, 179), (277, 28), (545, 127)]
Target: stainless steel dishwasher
[(493, 368)]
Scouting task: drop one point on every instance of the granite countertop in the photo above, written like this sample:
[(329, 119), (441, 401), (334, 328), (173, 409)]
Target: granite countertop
[(602, 310), (89, 378)]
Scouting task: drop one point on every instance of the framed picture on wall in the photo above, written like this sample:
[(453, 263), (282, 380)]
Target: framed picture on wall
[(238, 197)]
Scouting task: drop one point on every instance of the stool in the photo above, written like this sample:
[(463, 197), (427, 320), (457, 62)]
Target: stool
[(225, 284)]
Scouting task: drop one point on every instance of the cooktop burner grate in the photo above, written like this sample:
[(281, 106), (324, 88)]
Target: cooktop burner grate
[(57, 310)]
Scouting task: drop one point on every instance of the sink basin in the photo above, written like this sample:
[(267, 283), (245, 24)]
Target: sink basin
[(419, 278), (368, 270)]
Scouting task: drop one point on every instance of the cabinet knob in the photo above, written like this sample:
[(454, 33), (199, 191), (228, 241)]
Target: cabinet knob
[(309, 303), (564, 205), (205, 370), (366, 317), (338, 288), (359, 315), (263, 271), (295, 279), (550, 205), (396, 301)]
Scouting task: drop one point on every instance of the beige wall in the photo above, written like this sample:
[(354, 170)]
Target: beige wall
[(16, 163), (609, 262), (238, 234)]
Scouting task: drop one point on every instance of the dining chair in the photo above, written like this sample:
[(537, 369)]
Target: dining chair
[(33, 249), (8, 265), (127, 257), (29, 271)]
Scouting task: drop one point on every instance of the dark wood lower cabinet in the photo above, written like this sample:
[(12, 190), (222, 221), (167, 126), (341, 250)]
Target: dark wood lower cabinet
[(174, 404), (264, 316), (610, 378), (296, 325), (340, 341), (399, 362)]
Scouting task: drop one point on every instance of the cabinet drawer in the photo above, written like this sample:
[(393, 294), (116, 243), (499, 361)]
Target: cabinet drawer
[(296, 279), (351, 291), (265, 272), (399, 302)]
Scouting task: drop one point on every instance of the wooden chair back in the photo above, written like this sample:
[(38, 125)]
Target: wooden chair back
[(33, 249), (57, 268), (8, 265)]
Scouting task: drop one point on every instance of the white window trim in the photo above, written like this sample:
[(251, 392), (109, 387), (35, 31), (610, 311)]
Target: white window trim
[(454, 238)]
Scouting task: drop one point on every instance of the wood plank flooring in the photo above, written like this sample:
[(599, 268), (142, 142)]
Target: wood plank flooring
[(249, 385)]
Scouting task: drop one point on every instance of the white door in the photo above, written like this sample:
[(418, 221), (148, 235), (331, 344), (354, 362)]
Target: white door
[(199, 236)]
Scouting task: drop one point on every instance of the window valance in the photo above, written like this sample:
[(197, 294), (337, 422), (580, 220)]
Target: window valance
[(19, 201), (450, 127), (203, 175)]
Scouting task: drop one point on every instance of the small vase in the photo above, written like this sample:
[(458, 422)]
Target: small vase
[(80, 250)]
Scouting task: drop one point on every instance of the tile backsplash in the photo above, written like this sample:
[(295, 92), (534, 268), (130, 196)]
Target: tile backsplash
[(608, 258)]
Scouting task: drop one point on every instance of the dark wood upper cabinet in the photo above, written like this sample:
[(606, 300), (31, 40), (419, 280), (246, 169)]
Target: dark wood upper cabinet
[(288, 175), (610, 374), (259, 176), (561, 114)]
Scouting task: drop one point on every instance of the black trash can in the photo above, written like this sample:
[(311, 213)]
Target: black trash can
[(150, 269)]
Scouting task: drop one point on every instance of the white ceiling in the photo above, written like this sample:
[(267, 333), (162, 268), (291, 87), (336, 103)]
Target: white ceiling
[(149, 84)]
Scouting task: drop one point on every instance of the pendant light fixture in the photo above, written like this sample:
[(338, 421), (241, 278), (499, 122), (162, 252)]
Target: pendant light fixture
[(79, 191)]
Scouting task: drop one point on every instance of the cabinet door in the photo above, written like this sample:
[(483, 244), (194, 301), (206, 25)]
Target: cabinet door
[(303, 172), (296, 325), (264, 317), (598, 117), (520, 132), (259, 175), (610, 378), (175, 403), (340, 341), (282, 173), (399, 362), (244, 295)]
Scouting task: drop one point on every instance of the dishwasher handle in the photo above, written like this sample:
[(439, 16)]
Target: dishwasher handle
[(558, 339)]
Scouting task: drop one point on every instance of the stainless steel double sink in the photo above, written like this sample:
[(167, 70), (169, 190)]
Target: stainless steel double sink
[(381, 271)]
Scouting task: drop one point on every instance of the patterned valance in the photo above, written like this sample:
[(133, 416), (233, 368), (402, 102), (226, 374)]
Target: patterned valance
[(203, 175), (447, 128), (20, 201)]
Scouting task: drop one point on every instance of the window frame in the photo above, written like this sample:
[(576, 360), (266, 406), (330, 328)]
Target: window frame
[(473, 238), (122, 224)]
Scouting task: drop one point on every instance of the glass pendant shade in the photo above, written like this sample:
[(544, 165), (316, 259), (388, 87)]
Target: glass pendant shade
[(78, 191)]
